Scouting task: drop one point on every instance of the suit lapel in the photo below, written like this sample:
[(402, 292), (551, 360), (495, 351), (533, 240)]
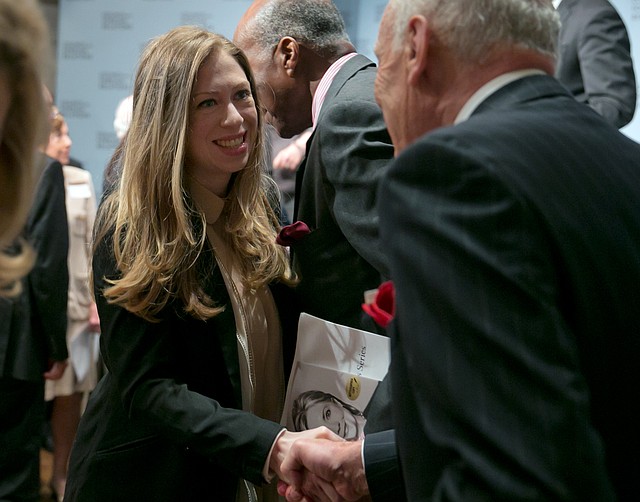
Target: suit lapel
[(350, 68), (299, 176)]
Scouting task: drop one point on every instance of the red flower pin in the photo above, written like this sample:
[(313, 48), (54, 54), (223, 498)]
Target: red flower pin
[(290, 234), (383, 307)]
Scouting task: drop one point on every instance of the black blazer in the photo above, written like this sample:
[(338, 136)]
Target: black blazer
[(336, 192), (594, 59), (33, 325), (514, 243), (165, 424)]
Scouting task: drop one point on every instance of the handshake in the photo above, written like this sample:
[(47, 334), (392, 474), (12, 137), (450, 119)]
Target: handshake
[(318, 465)]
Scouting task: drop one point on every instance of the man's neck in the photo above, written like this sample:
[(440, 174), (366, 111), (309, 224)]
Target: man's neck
[(469, 82)]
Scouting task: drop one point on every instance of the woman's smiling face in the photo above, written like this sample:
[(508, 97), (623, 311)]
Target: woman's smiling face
[(223, 121)]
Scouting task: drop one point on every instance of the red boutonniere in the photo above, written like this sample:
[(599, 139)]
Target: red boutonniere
[(383, 306), (290, 234)]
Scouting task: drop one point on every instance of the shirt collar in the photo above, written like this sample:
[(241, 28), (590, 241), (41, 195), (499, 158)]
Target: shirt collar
[(556, 3), (207, 201), (489, 88), (325, 83)]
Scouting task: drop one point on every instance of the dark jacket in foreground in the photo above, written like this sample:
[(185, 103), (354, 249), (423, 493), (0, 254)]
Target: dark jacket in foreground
[(514, 244)]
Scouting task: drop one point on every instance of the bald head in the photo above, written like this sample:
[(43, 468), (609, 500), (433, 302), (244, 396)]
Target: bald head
[(250, 13), (290, 44), (316, 24), (242, 33)]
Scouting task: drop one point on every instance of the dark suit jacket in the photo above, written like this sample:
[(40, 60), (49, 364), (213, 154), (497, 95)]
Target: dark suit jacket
[(514, 243), (33, 325), (336, 193), (165, 424), (594, 59)]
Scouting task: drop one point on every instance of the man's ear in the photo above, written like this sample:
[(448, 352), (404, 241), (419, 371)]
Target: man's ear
[(418, 38), (287, 55)]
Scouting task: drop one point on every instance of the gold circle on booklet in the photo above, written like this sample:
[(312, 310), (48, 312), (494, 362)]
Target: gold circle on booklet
[(353, 388)]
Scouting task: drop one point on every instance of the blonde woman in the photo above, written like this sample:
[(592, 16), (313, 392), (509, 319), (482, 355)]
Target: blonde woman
[(23, 43), (186, 275)]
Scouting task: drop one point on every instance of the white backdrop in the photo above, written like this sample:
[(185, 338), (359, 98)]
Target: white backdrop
[(99, 42)]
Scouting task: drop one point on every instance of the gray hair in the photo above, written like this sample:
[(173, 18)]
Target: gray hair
[(316, 24), (472, 28)]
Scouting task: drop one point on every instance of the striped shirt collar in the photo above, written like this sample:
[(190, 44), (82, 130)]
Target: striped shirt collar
[(325, 83)]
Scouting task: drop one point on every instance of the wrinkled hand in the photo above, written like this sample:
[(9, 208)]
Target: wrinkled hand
[(324, 470), (287, 439), (56, 370)]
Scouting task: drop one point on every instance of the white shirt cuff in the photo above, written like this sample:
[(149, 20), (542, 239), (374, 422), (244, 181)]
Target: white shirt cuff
[(266, 473)]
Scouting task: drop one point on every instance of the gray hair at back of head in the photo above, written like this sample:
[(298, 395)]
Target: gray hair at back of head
[(472, 28), (316, 24)]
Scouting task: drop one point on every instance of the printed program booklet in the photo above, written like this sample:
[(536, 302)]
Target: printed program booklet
[(336, 370)]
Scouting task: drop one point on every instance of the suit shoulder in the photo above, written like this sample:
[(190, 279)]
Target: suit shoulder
[(357, 81), (589, 12), (363, 77)]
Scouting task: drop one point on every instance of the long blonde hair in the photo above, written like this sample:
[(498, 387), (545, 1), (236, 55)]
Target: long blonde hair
[(158, 232), (23, 56)]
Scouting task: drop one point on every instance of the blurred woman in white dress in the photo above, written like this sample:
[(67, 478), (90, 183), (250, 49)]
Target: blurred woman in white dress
[(83, 325)]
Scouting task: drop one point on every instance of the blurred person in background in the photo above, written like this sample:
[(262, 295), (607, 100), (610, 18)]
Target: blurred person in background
[(121, 122), (122, 116), (594, 58), (81, 374)]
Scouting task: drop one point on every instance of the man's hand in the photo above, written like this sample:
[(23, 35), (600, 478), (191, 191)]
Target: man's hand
[(287, 439), (94, 318), (289, 157), (324, 470)]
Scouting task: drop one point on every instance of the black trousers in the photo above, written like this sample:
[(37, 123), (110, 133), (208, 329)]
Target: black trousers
[(21, 418)]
